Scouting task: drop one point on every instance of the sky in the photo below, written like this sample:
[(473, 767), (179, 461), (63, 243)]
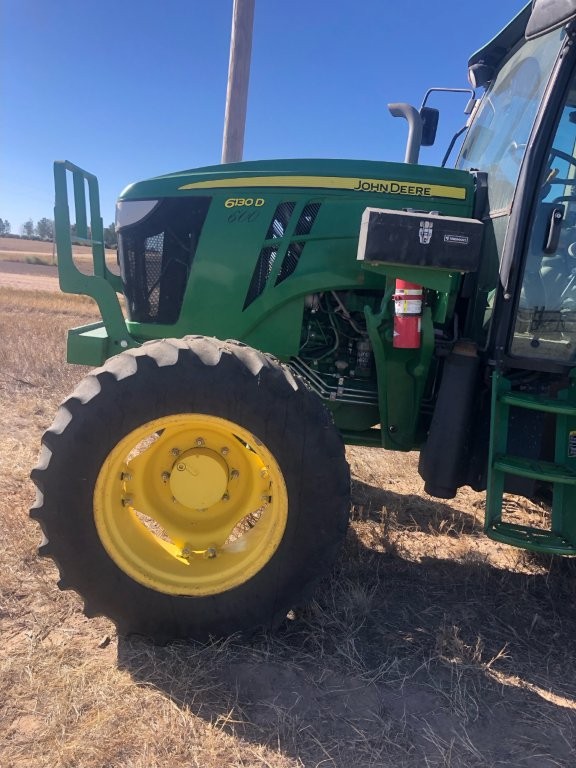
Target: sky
[(129, 89)]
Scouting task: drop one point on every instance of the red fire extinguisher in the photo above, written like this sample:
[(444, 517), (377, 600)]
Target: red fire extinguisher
[(407, 314)]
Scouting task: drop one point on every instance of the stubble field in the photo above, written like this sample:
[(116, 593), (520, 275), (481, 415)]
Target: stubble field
[(427, 646)]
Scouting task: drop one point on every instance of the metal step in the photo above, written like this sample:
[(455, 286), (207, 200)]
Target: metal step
[(535, 403), (534, 539), (559, 474), (538, 470)]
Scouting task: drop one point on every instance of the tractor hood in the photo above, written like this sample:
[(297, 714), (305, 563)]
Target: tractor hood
[(347, 176)]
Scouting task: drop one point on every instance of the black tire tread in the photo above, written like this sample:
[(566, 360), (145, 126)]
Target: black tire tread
[(241, 361)]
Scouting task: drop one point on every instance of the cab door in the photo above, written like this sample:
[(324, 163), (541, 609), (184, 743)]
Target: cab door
[(533, 407), (544, 326)]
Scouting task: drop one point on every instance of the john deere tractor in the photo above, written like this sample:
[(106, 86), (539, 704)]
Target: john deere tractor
[(267, 313)]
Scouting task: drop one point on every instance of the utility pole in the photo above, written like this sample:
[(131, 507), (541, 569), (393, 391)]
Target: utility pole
[(238, 78)]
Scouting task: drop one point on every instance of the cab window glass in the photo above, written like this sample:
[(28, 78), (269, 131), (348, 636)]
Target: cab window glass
[(545, 325), (497, 139)]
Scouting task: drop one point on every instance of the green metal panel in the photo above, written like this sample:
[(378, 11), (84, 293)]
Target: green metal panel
[(482, 299), (402, 375), (89, 344), (564, 501), (237, 229), (229, 247), (386, 181)]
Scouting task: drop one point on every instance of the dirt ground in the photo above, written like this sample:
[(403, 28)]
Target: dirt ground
[(428, 645)]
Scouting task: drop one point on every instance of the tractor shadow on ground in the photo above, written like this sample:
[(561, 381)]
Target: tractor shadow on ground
[(409, 510), (395, 661)]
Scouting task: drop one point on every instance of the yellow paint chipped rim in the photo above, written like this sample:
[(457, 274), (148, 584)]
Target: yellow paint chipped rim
[(148, 492)]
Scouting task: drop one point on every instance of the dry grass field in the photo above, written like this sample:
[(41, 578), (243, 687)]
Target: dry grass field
[(36, 251), (428, 646), (32, 251)]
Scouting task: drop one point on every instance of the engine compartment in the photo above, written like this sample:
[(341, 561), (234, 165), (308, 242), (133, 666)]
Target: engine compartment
[(335, 355)]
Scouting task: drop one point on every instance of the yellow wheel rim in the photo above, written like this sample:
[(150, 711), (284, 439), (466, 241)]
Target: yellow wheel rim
[(190, 504)]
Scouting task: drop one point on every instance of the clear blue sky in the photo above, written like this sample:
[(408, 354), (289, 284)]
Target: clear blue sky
[(130, 89)]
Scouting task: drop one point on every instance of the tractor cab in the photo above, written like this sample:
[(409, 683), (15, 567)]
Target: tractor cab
[(518, 308), (523, 308), (523, 137)]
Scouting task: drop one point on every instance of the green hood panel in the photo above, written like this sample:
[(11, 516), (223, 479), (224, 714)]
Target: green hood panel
[(334, 175)]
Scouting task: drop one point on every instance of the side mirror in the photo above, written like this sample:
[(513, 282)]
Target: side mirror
[(430, 118)]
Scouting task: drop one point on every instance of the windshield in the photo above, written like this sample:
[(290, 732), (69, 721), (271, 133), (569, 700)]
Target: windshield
[(497, 139)]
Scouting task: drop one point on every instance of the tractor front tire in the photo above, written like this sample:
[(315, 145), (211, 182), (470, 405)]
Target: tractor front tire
[(192, 488)]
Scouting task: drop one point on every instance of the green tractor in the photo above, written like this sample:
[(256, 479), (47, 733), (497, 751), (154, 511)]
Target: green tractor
[(194, 485)]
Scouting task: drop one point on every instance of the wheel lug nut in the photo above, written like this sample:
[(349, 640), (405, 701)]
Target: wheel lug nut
[(175, 451), (210, 553), (226, 497), (265, 497), (126, 501), (225, 451), (199, 441), (264, 473), (234, 474), (125, 476), (165, 477)]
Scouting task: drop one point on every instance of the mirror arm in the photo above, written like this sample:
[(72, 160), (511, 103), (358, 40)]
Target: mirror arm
[(451, 145)]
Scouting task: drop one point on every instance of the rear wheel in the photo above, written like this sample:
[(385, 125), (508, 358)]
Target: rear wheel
[(191, 488)]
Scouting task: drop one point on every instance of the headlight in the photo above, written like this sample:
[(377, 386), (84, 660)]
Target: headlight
[(131, 211)]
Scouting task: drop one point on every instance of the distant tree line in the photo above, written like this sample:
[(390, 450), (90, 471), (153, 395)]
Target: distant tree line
[(44, 230), (110, 239)]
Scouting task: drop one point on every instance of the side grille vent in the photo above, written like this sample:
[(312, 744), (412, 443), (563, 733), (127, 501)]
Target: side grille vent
[(290, 262), (261, 274), (280, 220), (277, 231), (307, 219), (294, 252)]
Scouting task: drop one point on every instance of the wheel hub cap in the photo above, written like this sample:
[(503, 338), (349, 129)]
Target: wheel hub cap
[(199, 478)]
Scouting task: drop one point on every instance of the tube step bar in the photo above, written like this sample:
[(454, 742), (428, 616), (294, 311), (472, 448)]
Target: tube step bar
[(526, 537), (559, 474)]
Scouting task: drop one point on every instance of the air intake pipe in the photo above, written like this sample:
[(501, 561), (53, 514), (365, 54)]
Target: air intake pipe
[(412, 116)]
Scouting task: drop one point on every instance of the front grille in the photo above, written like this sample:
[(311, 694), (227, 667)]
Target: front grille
[(156, 255)]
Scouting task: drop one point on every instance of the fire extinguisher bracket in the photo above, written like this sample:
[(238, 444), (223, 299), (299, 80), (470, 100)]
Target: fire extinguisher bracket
[(408, 299)]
